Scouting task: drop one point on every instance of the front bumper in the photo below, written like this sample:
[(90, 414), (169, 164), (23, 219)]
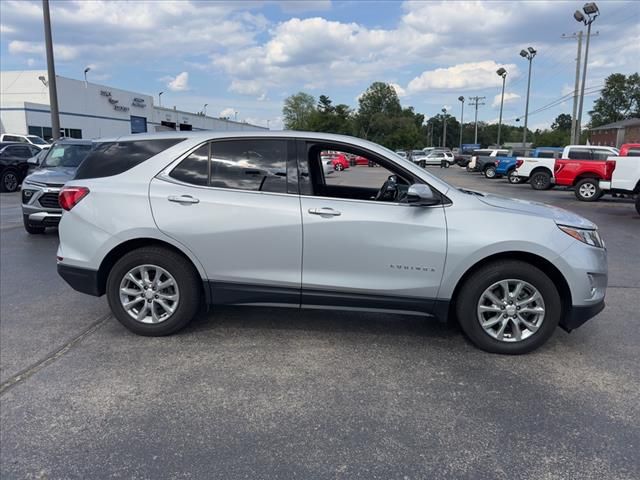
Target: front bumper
[(579, 314), (81, 279), (45, 219), (40, 205)]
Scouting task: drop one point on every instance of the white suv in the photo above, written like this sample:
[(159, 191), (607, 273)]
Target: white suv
[(161, 222)]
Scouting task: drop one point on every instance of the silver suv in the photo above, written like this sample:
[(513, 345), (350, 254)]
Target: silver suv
[(163, 222)]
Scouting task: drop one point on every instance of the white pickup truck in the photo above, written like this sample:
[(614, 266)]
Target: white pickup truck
[(539, 170), (626, 175)]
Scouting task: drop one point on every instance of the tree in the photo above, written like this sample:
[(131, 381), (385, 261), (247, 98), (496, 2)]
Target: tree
[(298, 110), (619, 100), (562, 122), (379, 100)]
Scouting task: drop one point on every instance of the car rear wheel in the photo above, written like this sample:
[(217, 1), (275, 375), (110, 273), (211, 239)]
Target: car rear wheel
[(339, 167), (588, 190), (513, 178), (540, 180), (508, 307), (9, 181), (490, 172), (153, 291), (31, 229)]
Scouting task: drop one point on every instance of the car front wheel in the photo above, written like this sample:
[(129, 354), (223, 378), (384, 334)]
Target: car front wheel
[(490, 172), (513, 178), (508, 307), (9, 181), (588, 190), (339, 167), (153, 291)]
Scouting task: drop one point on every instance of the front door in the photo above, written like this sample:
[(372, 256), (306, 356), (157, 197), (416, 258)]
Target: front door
[(363, 253), (236, 215)]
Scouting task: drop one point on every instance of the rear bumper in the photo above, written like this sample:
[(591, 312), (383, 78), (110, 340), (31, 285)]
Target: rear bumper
[(580, 314), (81, 279)]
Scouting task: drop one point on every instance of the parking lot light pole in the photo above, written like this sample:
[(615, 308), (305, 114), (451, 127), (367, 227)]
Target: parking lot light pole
[(86, 70), (502, 73), (444, 127), (160, 99), (592, 12), (51, 70), (461, 99), (529, 53)]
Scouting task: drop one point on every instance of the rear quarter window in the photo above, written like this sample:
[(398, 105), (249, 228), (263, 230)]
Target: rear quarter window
[(114, 158)]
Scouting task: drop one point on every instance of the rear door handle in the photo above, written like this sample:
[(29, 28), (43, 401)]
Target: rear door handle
[(325, 211), (183, 199)]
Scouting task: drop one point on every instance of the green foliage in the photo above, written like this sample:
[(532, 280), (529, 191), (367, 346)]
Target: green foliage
[(619, 100), (297, 111)]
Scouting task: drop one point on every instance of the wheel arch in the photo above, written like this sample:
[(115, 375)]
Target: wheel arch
[(541, 169), (585, 175), (129, 245), (539, 262)]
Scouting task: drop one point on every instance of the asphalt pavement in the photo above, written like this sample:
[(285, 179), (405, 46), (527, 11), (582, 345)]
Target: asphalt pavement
[(276, 393)]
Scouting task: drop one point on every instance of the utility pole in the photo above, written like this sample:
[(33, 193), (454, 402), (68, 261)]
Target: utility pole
[(461, 100), (574, 116), (444, 127), (475, 102), (527, 54), (51, 70)]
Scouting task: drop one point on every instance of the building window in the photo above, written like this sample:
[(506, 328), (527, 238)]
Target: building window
[(138, 124), (45, 132)]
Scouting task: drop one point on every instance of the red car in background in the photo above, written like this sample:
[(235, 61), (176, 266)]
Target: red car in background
[(340, 162), (583, 171), (361, 160)]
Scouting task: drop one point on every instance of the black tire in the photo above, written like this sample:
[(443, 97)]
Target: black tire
[(9, 181), (490, 172), (540, 180), (588, 190), (638, 204), (447, 164), (338, 167), (512, 178), (31, 229), (473, 288), (185, 275)]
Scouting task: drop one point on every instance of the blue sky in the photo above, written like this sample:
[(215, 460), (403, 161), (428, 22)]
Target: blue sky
[(247, 56)]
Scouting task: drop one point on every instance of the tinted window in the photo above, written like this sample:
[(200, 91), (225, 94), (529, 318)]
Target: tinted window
[(10, 138), (66, 155), (601, 154), (580, 154), (546, 155), (633, 152), (113, 158), (193, 169), (259, 165), (19, 151)]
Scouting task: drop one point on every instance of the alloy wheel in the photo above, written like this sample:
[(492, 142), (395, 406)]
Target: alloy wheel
[(10, 182), (587, 190), (149, 294), (511, 310)]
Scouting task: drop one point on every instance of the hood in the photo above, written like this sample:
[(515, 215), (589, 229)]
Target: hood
[(52, 175), (559, 215)]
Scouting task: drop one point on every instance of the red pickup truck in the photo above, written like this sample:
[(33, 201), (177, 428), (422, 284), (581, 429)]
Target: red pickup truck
[(583, 170)]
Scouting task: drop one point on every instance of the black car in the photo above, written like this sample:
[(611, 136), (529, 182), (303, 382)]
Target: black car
[(13, 164)]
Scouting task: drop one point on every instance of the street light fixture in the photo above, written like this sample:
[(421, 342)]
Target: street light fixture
[(444, 127), (204, 109), (501, 73), (86, 70), (528, 54), (592, 12), (160, 99), (461, 100)]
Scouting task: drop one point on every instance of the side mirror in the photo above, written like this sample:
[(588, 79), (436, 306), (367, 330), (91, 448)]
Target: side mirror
[(34, 161), (420, 195)]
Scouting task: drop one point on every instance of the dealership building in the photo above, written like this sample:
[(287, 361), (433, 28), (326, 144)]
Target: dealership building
[(88, 110)]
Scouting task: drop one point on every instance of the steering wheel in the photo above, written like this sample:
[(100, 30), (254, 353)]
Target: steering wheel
[(389, 189)]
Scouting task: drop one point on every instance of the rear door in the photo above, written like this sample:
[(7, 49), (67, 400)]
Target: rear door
[(230, 203)]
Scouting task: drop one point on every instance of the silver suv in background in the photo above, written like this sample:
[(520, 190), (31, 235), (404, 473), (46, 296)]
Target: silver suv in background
[(162, 222), (40, 207)]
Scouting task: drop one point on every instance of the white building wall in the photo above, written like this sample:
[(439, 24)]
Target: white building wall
[(97, 110)]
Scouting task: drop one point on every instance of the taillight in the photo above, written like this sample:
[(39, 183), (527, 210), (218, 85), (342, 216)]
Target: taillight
[(519, 163), (70, 196), (496, 163), (609, 167)]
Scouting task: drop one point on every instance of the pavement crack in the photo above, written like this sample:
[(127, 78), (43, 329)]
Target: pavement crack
[(53, 356)]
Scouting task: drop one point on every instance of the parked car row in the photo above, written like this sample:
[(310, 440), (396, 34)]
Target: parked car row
[(591, 171)]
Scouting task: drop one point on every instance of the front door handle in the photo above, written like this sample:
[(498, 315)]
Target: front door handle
[(325, 211), (183, 199)]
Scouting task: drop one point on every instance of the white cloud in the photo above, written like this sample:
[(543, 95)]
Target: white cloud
[(401, 92), (179, 83), (509, 97), (60, 51), (6, 29), (466, 76)]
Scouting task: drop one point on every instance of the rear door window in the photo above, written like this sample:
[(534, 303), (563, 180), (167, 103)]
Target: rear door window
[(601, 154), (114, 158), (195, 168), (250, 164), (580, 154)]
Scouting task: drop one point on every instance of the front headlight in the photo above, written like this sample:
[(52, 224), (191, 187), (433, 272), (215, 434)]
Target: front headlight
[(590, 237)]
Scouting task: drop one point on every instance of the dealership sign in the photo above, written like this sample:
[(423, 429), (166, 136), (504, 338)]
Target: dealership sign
[(114, 102)]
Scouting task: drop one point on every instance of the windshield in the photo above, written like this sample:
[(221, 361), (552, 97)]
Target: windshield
[(66, 155), (36, 140)]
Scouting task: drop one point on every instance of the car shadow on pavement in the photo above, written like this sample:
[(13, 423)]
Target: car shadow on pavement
[(325, 321)]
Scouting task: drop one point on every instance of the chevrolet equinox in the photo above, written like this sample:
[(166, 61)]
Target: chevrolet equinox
[(161, 223)]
